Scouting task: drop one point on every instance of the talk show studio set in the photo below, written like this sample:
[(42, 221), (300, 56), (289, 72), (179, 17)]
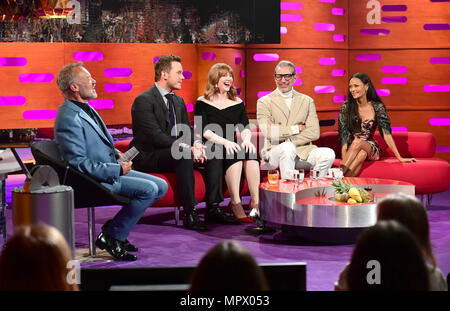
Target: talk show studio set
[(225, 145)]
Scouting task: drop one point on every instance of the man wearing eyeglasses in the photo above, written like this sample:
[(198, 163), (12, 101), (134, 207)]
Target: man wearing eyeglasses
[(289, 123)]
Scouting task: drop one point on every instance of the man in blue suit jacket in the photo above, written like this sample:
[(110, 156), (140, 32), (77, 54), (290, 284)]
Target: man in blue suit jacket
[(86, 144)]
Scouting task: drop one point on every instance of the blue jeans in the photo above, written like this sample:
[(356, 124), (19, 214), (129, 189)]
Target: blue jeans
[(143, 190)]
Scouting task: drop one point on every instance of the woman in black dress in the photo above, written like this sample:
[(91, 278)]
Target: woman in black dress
[(223, 115), (359, 117)]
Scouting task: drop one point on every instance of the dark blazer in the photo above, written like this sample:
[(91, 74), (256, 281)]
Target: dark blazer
[(151, 122)]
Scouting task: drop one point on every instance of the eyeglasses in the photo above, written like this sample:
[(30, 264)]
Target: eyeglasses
[(287, 76)]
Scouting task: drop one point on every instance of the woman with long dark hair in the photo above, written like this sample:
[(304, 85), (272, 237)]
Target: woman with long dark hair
[(359, 117)]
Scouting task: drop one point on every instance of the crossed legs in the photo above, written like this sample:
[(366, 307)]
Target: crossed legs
[(354, 158)]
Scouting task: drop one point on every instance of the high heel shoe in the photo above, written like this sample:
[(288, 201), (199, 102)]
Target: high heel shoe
[(237, 206), (254, 212)]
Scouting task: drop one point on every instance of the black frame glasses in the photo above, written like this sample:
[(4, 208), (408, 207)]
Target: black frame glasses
[(287, 76)]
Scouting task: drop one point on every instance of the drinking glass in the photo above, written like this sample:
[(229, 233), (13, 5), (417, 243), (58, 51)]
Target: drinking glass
[(315, 173), (299, 175), (337, 173), (273, 176)]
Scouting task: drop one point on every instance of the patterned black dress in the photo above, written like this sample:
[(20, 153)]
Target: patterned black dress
[(367, 130)]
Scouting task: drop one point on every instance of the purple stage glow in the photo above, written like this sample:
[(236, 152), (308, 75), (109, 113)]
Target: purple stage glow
[(394, 80), (394, 69), (339, 99), (263, 93), (339, 38), (436, 88), (368, 57), (327, 1), (436, 26), (383, 92), (442, 149), (208, 56), (439, 121), (338, 72), (39, 114), (290, 5), (35, 77), (399, 129), (298, 69), (118, 87), (238, 91), (265, 57), (394, 8), (291, 18), (242, 73), (374, 32), (394, 19), (88, 56), (238, 60), (338, 11), (187, 74), (283, 30), (439, 60), (117, 72), (324, 27), (327, 61), (155, 59), (101, 104), (324, 89), (12, 100), (13, 61)]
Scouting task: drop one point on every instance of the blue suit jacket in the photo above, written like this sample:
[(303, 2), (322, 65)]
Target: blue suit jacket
[(84, 144)]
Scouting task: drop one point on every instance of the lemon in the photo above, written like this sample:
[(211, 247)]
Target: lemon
[(351, 201), (355, 194)]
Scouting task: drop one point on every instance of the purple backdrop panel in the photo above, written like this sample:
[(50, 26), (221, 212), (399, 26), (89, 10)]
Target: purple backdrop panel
[(327, 61), (394, 80), (117, 72), (291, 18), (12, 100), (436, 88), (439, 60), (439, 121), (102, 103), (290, 6), (118, 87), (263, 93), (383, 92), (35, 77), (88, 56), (394, 8), (338, 11), (394, 19), (324, 27), (339, 38), (399, 129), (436, 26), (324, 89), (368, 57), (208, 56), (374, 32), (394, 69), (39, 114), (13, 61), (265, 57)]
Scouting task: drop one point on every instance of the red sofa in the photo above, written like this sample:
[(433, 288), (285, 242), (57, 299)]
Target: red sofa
[(429, 174)]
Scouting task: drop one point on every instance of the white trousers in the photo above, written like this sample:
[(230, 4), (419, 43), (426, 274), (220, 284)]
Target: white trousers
[(285, 157)]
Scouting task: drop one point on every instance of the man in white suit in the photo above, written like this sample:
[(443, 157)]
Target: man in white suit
[(289, 123)]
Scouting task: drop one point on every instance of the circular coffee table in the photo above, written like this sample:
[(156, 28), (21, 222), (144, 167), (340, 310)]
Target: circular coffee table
[(308, 209)]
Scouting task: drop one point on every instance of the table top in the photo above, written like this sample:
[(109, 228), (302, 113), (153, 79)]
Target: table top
[(9, 163), (15, 145), (288, 186)]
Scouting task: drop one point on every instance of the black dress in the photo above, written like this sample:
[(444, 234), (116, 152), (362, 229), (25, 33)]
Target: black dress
[(217, 120), (223, 122)]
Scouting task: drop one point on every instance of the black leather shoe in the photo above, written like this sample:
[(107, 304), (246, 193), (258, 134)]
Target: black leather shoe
[(126, 245), (193, 222), (215, 214), (113, 247)]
